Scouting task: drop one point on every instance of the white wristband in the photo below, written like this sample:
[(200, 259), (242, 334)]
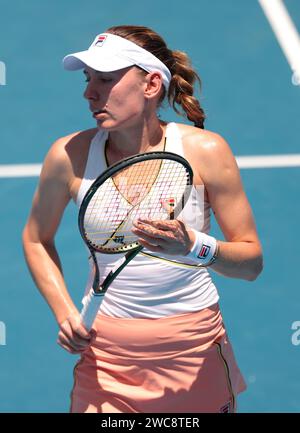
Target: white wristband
[(204, 250)]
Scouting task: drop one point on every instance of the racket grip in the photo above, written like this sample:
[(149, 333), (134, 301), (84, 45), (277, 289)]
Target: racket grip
[(90, 309)]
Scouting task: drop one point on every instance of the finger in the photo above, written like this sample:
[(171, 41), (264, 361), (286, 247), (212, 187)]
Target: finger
[(69, 349), (73, 343), (68, 334), (93, 334), (151, 231), (157, 237), (151, 247), (68, 345), (164, 225), (149, 238), (81, 333), (78, 329)]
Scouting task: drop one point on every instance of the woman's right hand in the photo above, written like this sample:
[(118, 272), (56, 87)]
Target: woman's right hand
[(73, 336)]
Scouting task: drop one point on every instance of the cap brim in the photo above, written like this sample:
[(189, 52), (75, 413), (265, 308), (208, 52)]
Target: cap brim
[(90, 58)]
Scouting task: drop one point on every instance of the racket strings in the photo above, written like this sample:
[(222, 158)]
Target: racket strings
[(149, 189), (136, 181)]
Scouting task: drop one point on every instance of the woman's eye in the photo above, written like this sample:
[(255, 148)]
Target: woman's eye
[(101, 79), (105, 80)]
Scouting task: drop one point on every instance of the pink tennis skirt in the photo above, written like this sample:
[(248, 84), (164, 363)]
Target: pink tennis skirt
[(177, 364)]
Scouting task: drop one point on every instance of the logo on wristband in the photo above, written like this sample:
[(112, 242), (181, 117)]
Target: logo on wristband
[(204, 251)]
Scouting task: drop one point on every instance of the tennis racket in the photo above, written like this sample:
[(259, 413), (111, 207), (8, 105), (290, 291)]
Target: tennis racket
[(152, 185)]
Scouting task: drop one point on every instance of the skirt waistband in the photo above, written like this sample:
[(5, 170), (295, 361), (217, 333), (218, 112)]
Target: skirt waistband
[(158, 337)]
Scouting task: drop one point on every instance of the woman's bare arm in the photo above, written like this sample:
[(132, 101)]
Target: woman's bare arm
[(50, 200), (240, 255)]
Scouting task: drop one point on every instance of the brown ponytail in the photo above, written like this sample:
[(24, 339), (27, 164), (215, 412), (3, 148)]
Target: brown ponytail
[(181, 89), (184, 77)]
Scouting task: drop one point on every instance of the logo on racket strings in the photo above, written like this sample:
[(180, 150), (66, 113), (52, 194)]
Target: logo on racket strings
[(171, 202), (119, 239), (168, 204)]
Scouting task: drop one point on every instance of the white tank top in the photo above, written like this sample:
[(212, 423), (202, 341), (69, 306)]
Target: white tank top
[(152, 286)]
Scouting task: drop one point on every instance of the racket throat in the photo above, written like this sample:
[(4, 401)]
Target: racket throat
[(116, 270), (96, 282)]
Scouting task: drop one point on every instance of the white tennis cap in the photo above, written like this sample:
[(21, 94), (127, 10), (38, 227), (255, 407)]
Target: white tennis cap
[(110, 53)]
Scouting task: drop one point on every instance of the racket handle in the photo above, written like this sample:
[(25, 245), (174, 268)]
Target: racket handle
[(90, 309)]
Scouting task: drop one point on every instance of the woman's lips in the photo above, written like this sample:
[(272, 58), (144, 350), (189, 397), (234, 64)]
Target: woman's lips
[(99, 113)]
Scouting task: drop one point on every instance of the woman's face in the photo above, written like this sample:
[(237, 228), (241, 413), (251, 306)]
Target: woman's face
[(117, 99)]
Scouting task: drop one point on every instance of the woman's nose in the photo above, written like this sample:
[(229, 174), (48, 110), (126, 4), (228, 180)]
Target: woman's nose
[(90, 92)]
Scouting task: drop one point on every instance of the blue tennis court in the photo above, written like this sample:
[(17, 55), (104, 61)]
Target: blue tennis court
[(248, 98)]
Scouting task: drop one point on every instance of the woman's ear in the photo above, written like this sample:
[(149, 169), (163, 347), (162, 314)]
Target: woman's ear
[(154, 85)]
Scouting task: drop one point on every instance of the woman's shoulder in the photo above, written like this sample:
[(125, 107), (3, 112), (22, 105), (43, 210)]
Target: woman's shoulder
[(192, 135), (71, 147), (203, 142), (206, 146), (68, 153), (74, 139)]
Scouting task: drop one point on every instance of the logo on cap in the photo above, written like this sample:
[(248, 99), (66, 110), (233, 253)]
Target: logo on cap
[(100, 41)]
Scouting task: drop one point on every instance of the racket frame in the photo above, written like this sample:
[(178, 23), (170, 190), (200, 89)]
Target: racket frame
[(97, 288)]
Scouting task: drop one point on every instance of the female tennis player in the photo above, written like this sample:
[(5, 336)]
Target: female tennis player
[(158, 343)]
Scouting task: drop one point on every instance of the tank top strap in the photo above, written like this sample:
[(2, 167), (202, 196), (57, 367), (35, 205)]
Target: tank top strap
[(174, 139), (96, 163)]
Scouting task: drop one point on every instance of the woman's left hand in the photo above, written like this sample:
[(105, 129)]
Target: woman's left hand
[(169, 236)]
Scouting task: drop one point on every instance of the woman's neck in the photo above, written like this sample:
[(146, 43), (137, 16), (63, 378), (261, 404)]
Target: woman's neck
[(127, 142)]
